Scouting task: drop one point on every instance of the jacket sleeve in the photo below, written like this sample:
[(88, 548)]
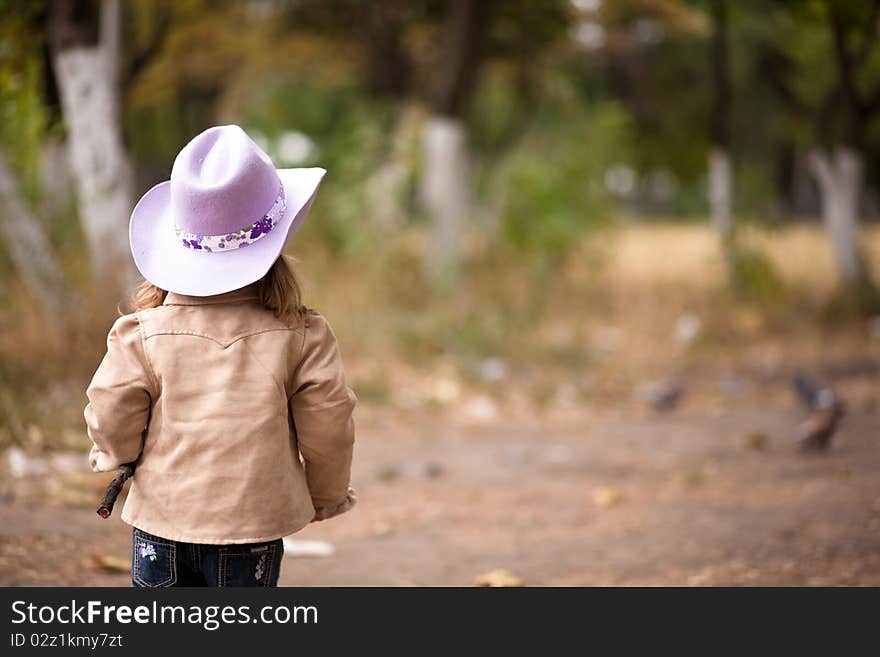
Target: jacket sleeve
[(322, 406), (120, 396)]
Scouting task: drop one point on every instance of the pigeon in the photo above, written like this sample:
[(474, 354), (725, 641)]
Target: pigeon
[(826, 411), (662, 396), (808, 390)]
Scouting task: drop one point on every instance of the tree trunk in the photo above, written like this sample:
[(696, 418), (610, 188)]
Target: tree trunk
[(445, 192), (444, 185), (388, 67), (720, 170), (388, 187), (29, 247), (720, 192), (86, 77), (840, 180)]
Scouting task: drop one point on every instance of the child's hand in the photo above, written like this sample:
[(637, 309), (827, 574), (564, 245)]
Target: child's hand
[(324, 513)]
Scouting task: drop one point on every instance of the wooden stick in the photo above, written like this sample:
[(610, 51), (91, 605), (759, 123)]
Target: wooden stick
[(125, 471)]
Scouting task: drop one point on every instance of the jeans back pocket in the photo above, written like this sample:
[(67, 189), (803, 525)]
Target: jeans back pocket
[(250, 565), (153, 560)]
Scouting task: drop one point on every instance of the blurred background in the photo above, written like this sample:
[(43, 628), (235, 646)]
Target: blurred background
[(601, 271)]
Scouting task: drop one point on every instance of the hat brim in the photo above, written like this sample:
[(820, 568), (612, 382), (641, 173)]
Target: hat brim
[(166, 263)]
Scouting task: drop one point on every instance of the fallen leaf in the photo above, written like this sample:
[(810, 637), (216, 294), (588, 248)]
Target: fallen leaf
[(607, 496), (500, 577), (111, 564), (756, 440)]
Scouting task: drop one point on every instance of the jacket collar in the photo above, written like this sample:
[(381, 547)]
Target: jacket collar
[(242, 294)]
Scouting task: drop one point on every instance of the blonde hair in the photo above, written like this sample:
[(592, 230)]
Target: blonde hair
[(279, 291)]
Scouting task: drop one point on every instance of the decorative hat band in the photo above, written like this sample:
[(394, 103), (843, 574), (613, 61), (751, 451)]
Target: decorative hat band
[(237, 238)]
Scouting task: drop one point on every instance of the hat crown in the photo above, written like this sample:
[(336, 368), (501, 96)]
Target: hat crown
[(221, 182)]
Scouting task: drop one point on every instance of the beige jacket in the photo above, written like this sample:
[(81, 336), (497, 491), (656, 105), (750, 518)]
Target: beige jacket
[(217, 400)]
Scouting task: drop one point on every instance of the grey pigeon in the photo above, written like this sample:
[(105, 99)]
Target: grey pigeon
[(663, 396), (826, 411)]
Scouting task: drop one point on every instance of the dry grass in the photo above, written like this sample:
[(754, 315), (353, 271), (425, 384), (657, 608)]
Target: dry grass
[(602, 324), (686, 255), (589, 330)]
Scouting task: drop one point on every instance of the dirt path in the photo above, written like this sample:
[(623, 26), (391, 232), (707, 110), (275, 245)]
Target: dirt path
[(595, 500)]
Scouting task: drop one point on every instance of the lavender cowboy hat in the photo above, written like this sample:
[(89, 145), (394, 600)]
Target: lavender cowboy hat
[(222, 219)]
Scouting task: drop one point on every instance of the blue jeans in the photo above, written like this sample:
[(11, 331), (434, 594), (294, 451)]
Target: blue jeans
[(157, 561)]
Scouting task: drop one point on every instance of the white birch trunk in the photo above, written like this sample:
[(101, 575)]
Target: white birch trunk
[(840, 179), (387, 186), (86, 77), (444, 191), (56, 184), (720, 191), (29, 247)]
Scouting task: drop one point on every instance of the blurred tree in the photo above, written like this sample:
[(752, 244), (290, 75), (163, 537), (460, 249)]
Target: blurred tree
[(429, 54), (647, 50), (29, 247), (838, 159), (84, 37), (720, 168), (516, 35), (445, 185), (380, 30), (822, 61), (391, 40), (23, 127), (770, 130)]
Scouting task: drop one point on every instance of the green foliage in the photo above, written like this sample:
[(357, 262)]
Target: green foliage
[(855, 301), (498, 114), (270, 79), (24, 117), (403, 280), (672, 135), (552, 182), (754, 277), (349, 130)]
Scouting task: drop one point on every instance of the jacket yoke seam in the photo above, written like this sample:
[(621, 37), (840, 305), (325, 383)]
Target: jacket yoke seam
[(222, 343), (150, 369), (256, 358), (302, 348)]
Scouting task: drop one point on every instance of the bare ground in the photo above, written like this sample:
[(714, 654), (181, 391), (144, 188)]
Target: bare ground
[(589, 499)]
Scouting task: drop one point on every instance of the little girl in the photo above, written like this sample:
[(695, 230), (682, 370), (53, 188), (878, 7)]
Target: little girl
[(227, 394)]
